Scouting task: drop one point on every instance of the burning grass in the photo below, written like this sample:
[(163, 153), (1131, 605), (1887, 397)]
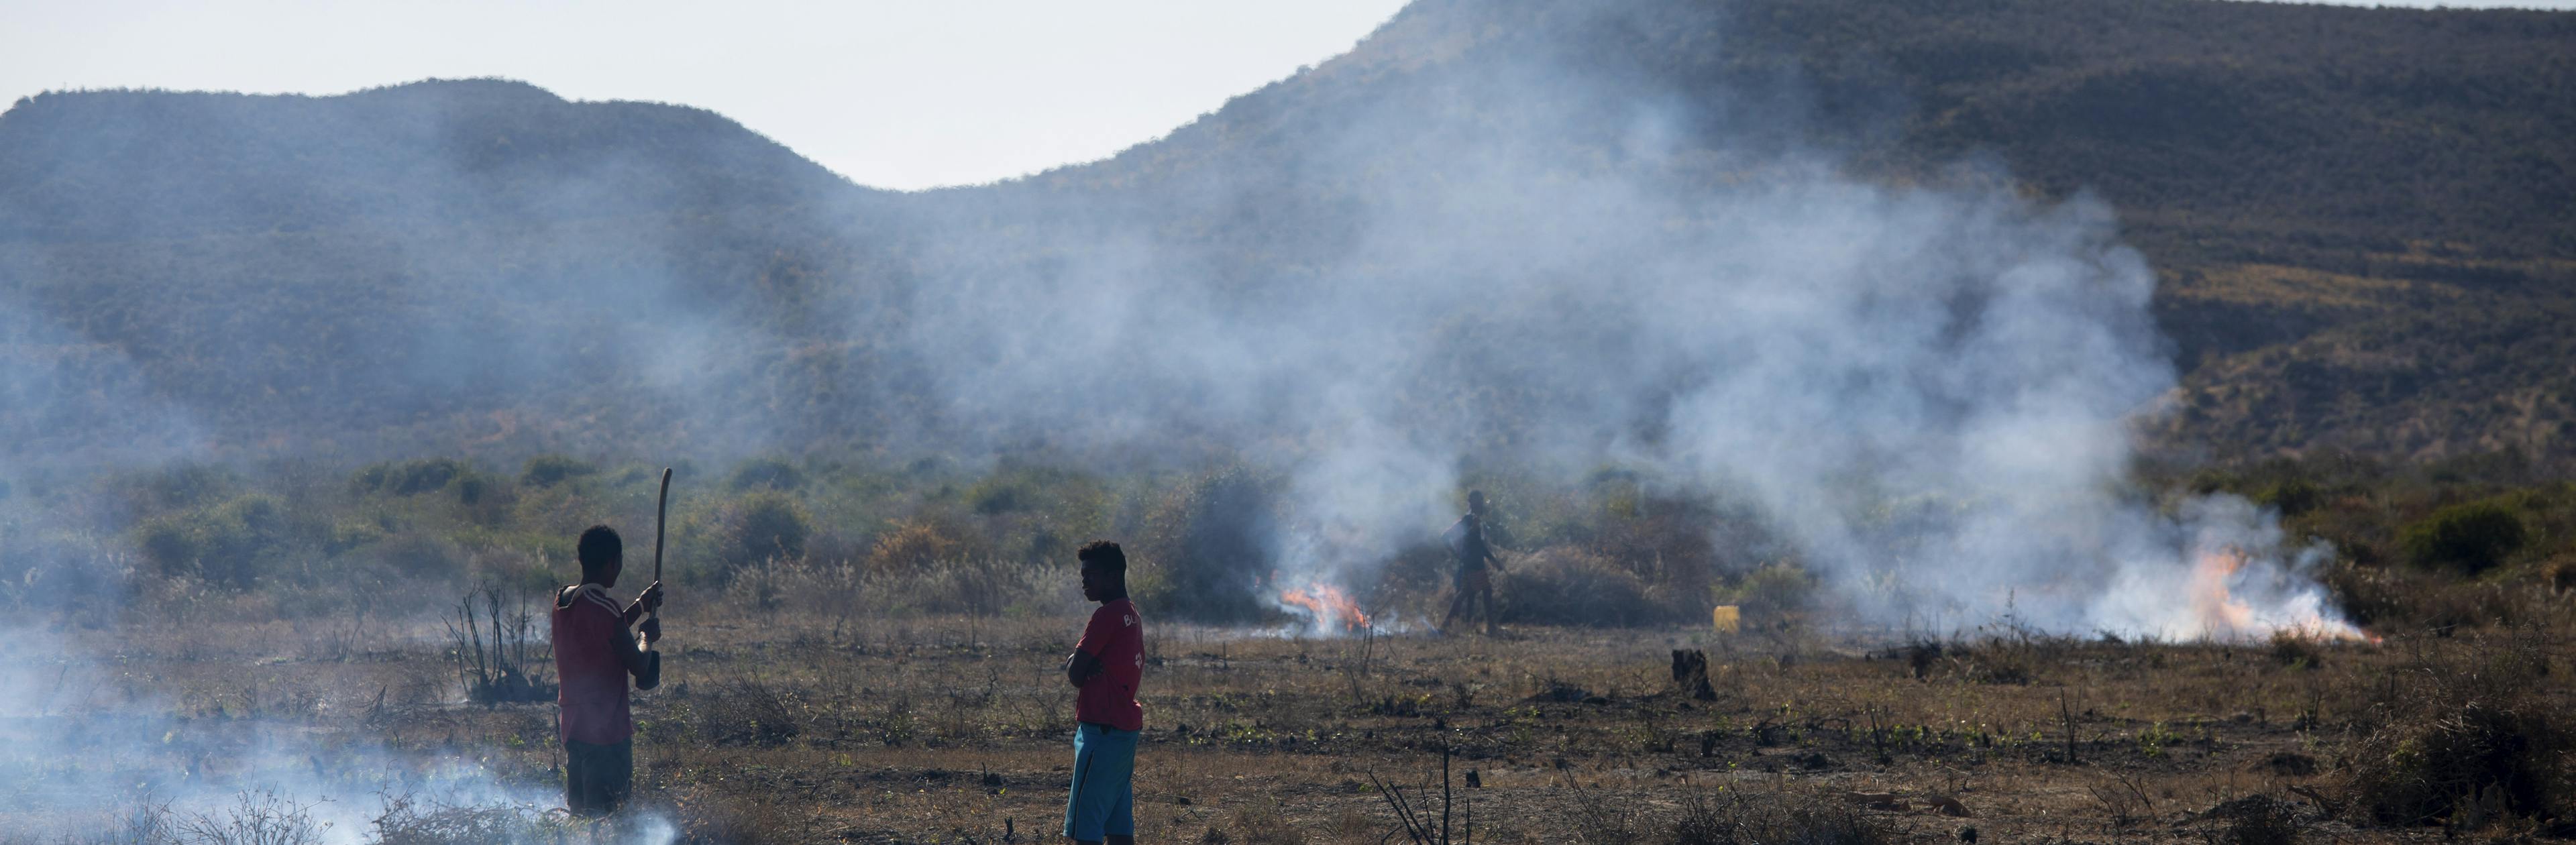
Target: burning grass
[(1326, 607)]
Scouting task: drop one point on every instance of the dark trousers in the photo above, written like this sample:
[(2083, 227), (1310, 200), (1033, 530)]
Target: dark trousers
[(1475, 588), (597, 777)]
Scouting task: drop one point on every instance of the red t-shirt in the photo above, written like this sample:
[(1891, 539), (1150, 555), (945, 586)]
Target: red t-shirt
[(1116, 636), (589, 632)]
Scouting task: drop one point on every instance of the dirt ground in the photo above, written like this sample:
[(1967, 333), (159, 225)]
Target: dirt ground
[(956, 730)]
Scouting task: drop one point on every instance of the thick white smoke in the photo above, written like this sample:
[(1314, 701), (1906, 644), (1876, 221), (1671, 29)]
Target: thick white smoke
[(1541, 255), (87, 757)]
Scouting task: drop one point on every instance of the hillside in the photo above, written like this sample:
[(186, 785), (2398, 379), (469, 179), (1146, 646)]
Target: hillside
[(2290, 169), (153, 165), (2359, 217)]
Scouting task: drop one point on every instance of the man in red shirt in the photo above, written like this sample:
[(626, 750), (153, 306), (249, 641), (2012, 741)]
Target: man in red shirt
[(593, 656), (1105, 666)]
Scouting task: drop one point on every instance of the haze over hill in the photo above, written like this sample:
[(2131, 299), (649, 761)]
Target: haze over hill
[(2358, 218)]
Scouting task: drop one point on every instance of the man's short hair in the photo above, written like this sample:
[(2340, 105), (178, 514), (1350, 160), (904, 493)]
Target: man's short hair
[(1475, 499), (598, 548), (1102, 554)]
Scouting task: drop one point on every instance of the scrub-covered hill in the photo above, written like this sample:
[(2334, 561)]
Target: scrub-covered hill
[(2359, 220)]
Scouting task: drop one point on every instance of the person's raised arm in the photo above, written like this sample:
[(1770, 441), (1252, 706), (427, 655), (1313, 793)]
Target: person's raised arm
[(645, 603)]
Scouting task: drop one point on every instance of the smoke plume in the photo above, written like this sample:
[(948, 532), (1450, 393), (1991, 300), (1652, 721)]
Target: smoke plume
[(1543, 255)]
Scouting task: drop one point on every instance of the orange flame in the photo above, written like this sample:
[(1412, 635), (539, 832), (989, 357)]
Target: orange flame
[(1328, 604), (2225, 616)]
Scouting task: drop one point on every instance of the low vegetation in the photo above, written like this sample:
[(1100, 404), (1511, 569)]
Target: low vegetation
[(889, 678)]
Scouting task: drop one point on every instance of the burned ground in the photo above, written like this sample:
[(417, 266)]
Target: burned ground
[(951, 729)]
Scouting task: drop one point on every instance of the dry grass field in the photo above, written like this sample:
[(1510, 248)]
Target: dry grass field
[(780, 725), (198, 657)]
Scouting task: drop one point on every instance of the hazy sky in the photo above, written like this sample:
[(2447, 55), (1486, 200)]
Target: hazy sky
[(894, 94)]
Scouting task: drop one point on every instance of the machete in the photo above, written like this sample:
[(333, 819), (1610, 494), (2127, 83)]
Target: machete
[(652, 675)]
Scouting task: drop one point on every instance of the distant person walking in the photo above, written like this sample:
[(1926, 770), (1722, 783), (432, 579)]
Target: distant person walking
[(593, 657), (1474, 581), (1105, 666)]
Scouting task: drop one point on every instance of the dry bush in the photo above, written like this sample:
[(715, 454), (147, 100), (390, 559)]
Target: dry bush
[(916, 544), (1412, 584), (1665, 542), (410, 821), (257, 818), (982, 587), (2396, 598), (1263, 823), (1735, 817), (1354, 828), (145, 823), (811, 587), (2296, 650), (1562, 585), (494, 648), (708, 817), (746, 712), (2462, 726), (2253, 820)]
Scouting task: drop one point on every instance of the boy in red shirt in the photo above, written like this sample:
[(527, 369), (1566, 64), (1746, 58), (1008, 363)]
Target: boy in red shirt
[(593, 656), (1106, 666)]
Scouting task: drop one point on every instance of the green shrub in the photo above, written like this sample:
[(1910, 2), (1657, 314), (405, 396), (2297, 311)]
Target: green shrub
[(233, 543), (423, 556), (769, 473), (550, 470), (763, 525), (247, 537), (474, 488), (2470, 538), (170, 543), (1002, 494), (182, 486), (2291, 497), (351, 533), (409, 478)]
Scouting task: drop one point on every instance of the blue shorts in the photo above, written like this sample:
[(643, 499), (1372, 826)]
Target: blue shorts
[(1103, 802)]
